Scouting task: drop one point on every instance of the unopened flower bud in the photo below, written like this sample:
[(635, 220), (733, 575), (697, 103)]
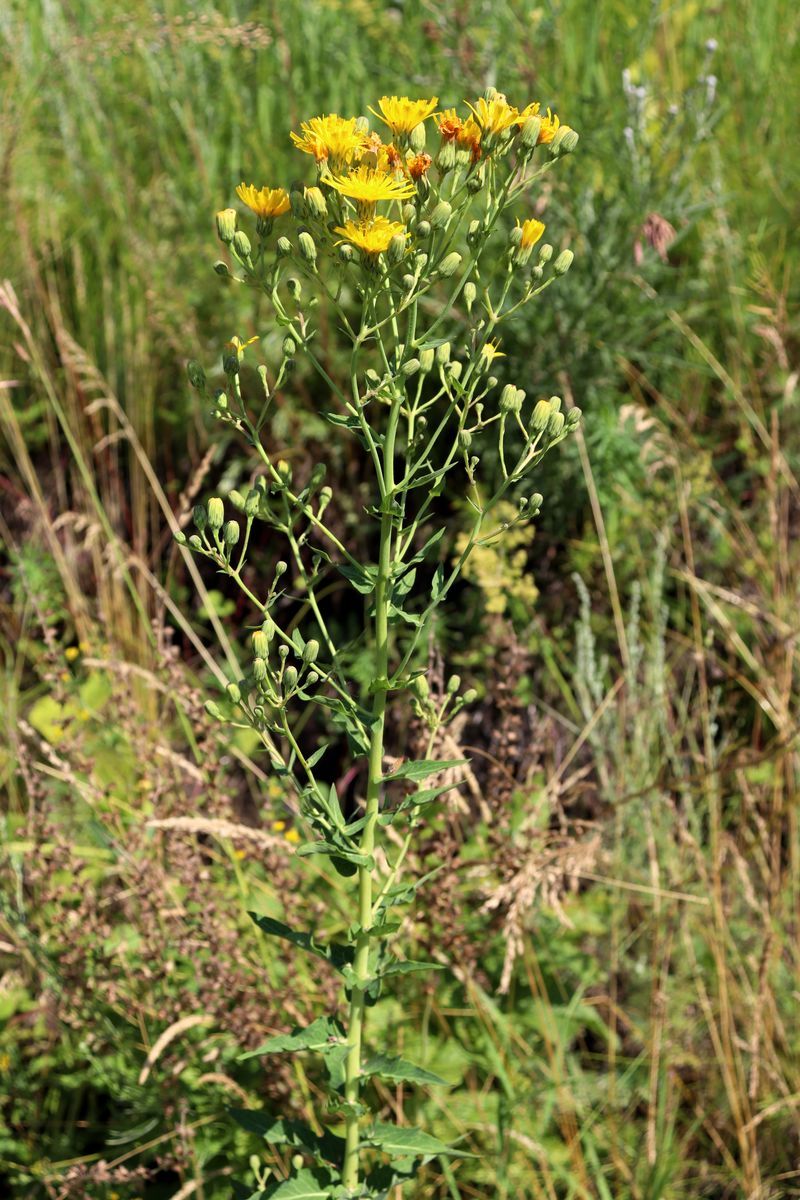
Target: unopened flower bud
[(416, 139), (511, 399), (464, 439), (396, 249), (345, 253), (283, 653), (280, 568), (537, 499), (475, 182), (226, 225), (221, 268), (215, 510), (284, 471), (470, 292), (325, 497), (213, 710), (195, 542), (474, 232), (423, 230), (180, 537), (260, 670), (574, 418), (200, 517), (310, 651), (283, 247), (288, 347), (410, 367), (297, 200), (541, 416), (545, 253), (197, 376), (315, 203), (563, 262), (260, 640), (293, 287), (555, 403), (241, 244), (230, 533), (443, 354), (234, 694), (426, 360), (555, 425), (408, 282), (453, 684), (454, 370), (252, 502), (449, 265), (564, 142), (290, 677), (441, 215), (311, 678), (515, 236), (409, 214), (307, 247), (446, 156), (530, 133)]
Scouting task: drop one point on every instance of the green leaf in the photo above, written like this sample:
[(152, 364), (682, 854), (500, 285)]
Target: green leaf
[(432, 541), (363, 579), (400, 1071), (399, 614), (405, 1141), (437, 584), (338, 955), (408, 967), (423, 767), (319, 1035), (351, 856), (326, 1147), (305, 1185)]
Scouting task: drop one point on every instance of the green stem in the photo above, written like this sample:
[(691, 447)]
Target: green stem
[(352, 1087)]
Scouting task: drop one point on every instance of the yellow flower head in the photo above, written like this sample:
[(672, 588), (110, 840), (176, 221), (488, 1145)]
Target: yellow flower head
[(331, 138), (238, 346), (264, 202), (469, 138), (449, 124), (550, 127), (373, 237), (367, 186), (530, 110), (532, 230), (494, 116), (401, 114), (419, 165), (492, 350)]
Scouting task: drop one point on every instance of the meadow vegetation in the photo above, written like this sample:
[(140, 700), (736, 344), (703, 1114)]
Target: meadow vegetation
[(617, 913)]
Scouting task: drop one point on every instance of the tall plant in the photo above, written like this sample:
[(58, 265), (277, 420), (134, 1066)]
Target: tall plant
[(408, 250)]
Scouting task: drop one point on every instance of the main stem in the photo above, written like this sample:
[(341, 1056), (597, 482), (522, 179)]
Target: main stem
[(352, 1087)]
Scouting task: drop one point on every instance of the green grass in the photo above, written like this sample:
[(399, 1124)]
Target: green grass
[(629, 1030)]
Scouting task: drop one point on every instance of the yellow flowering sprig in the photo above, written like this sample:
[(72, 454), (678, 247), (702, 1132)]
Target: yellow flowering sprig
[(419, 249)]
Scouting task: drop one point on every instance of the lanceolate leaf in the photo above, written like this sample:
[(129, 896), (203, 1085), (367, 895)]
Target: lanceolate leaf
[(406, 1141), (400, 1071), (305, 1185), (406, 968), (326, 1148), (337, 955), (320, 1035), (422, 768)]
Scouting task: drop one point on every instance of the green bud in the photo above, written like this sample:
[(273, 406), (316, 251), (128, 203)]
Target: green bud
[(297, 200), (252, 502), (236, 499), (446, 157), (410, 367), (441, 215), (409, 214), (283, 653), (511, 399), (261, 641), (545, 253), (464, 439), (537, 499), (195, 542), (311, 678), (450, 264), (423, 230), (396, 249), (230, 533), (213, 710), (310, 651), (555, 404), (515, 236), (443, 354), (408, 282), (283, 247), (234, 695), (293, 287), (241, 244), (180, 537), (453, 684), (574, 418), (325, 497), (474, 232), (454, 369), (316, 203), (420, 688), (529, 136), (284, 471), (475, 182), (563, 262), (470, 696), (221, 268), (280, 568), (555, 425), (416, 139), (541, 416), (426, 360), (470, 292), (216, 512), (200, 517), (564, 142), (260, 670), (290, 677), (226, 225), (346, 253), (307, 247), (197, 376), (288, 347)]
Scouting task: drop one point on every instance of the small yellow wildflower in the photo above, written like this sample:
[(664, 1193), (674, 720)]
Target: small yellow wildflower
[(492, 350), (292, 835), (494, 116), (401, 114), (530, 110), (71, 653), (330, 138), (449, 124), (236, 344), (532, 230), (372, 237), (550, 127), (265, 202), (278, 826), (367, 186)]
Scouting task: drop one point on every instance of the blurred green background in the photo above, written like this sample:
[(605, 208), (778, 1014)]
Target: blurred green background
[(619, 910)]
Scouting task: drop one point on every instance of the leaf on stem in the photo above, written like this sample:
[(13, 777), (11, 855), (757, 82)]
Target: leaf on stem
[(338, 955), (400, 1070), (423, 767)]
